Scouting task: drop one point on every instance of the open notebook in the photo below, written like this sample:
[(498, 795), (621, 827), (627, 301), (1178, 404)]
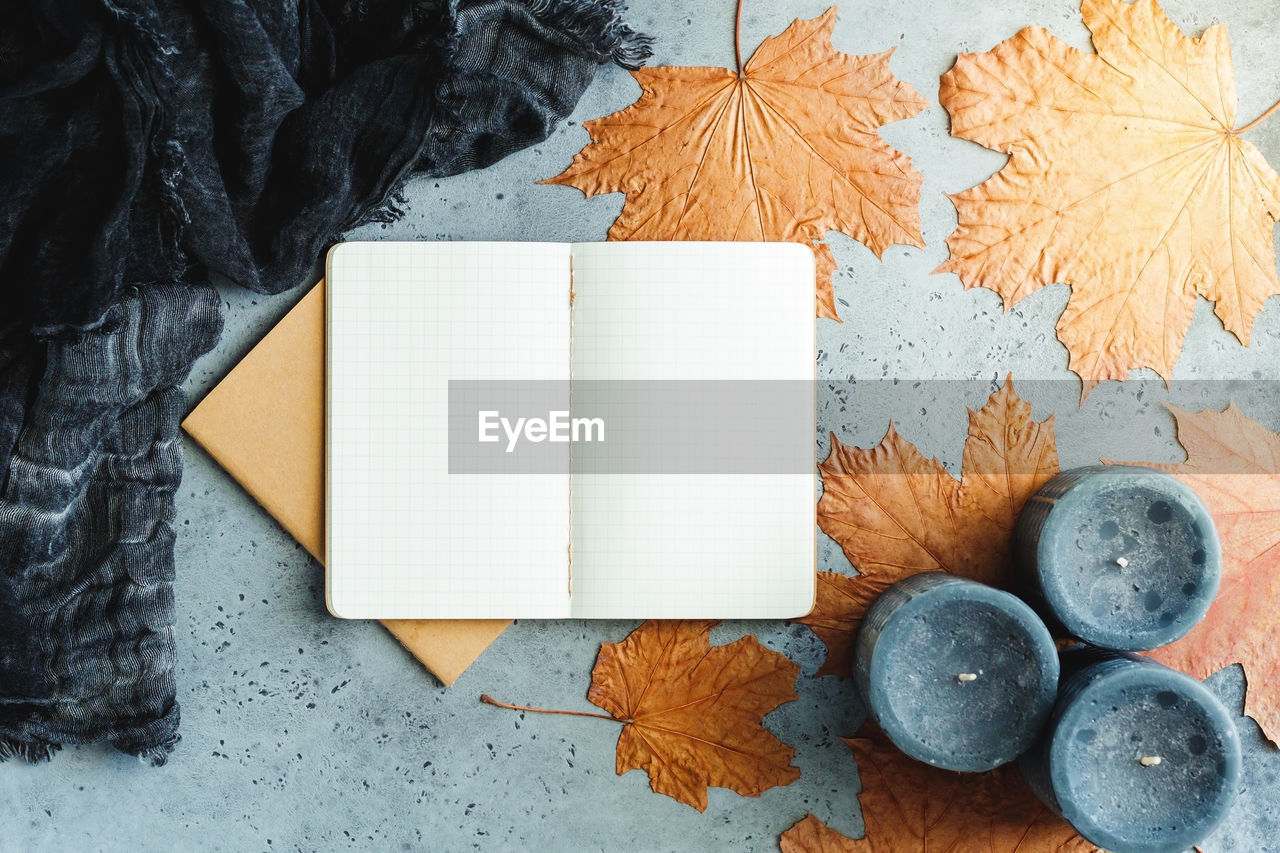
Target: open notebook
[(690, 490)]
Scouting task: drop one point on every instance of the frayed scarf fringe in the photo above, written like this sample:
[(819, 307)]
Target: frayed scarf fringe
[(30, 751), (40, 751), (390, 210), (157, 755), (594, 26), (597, 26)]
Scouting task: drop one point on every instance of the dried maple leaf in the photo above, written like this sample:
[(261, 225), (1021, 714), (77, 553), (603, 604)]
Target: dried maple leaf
[(908, 805), (1233, 464), (691, 712), (1126, 180), (786, 150), (896, 513), (813, 836)]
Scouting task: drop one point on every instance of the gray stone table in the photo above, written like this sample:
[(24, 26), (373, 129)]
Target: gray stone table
[(302, 732)]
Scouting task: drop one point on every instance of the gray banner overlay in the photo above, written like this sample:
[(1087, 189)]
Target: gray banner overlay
[(1131, 421), (772, 427), (631, 427)]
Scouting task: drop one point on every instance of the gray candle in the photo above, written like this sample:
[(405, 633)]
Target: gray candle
[(1120, 556), (1138, 758), (958, 674)]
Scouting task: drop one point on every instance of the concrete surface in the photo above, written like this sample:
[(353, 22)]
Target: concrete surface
[(301, 732)]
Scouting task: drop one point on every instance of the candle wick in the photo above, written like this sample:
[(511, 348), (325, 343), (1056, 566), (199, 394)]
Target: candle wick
[(1150, 760), (967, 676), (1122, 562)]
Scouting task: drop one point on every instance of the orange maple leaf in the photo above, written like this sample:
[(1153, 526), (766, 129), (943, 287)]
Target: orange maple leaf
[(787, 150), (908, 805), (691, 712), (896, 513), (1126, 180), (813, 836), (1233, 464)]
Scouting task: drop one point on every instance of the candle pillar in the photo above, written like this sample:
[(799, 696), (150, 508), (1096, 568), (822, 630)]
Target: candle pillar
[(958, 674), (1120, 556), (1138, 758)]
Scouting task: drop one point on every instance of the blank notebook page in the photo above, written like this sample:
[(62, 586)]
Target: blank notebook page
[(405, 538), (676, 545)]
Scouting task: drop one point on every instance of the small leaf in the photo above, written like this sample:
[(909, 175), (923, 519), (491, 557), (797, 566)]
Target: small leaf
[(693, 712)]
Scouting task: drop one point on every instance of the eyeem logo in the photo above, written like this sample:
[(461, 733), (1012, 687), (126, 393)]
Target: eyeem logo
[(558, 427)]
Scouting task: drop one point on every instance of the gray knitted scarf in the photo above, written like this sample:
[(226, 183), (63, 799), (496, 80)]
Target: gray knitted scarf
[(145, 144)]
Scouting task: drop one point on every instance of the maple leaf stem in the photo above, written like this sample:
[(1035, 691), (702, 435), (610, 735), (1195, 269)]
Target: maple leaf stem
[(737, 38), (1257, 121), (489, 700)]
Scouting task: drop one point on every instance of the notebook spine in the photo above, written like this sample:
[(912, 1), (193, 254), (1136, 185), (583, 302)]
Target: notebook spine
[(569, 544)]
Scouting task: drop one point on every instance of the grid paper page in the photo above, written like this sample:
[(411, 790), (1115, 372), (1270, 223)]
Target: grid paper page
[(407, 539), (694, 545)]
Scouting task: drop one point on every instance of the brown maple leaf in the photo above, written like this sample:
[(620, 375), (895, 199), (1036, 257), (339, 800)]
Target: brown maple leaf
[(1126, 180), (788, 149), (691, 712), (908, 805), (1233, 464), (896, 513), (813, 836)]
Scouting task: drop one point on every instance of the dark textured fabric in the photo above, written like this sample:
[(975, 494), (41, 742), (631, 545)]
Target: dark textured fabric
[(145, 144), (86, 517)]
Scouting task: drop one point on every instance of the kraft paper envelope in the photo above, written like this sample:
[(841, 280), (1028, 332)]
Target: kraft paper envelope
[(264, 423)]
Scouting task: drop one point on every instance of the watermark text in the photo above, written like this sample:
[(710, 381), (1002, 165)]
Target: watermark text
[(556, 427)]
